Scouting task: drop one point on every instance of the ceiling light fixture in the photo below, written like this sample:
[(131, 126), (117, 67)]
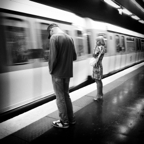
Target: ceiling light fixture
[(135, 17), (121, 9), (141, 21), (111, 3), (125, 11)]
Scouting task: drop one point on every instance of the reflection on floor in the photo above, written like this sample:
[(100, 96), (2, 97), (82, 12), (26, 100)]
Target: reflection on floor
[(118, 119)]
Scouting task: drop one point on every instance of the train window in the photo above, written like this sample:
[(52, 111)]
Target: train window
[(67, 32), (117, 40), (44, 40), (16, 41), (88, 42), (79, 33), (130, 44), (138, 44), (105, 38), (142, 44), (79, 43), (122, 43)]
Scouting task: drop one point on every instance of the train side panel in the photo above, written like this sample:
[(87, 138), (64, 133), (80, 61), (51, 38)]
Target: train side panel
[(24, 72)]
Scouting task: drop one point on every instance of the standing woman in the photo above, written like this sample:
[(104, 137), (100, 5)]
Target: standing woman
[(98, 53)]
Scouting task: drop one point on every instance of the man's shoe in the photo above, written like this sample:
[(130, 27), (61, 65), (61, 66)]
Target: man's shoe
[(60, 124)]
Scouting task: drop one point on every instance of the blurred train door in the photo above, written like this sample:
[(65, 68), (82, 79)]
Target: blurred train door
[(41, 54), (138, 49), (120, 51), (81, 66), (18, 69), (130, 51), (142, 47), (4, 84), (123, 50)]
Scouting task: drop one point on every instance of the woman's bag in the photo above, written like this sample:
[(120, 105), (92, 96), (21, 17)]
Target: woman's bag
[(93, 61)]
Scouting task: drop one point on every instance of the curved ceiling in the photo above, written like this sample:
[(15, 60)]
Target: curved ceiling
[(134, 6), (99, 10)]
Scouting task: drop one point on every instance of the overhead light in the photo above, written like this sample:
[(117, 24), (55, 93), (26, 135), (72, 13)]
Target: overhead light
[(141, 21), (120, 11), (126, 11), (135, 17), (111, 3)]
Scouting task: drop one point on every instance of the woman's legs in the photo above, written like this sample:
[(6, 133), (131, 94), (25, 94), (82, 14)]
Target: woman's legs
[(99, 88)]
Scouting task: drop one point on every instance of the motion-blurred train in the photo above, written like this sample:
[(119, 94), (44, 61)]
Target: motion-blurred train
[(24, 50)]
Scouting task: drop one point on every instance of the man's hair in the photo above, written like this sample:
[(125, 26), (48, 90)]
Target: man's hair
[(51, 26)]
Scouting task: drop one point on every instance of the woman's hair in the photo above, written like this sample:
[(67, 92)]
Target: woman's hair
[(100, 41)]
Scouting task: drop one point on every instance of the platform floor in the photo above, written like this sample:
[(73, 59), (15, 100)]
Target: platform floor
[(118, 119)]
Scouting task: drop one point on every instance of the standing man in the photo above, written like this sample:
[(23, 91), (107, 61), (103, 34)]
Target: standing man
[(62, 55)]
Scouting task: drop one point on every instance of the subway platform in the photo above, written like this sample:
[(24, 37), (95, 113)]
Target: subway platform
[(118, 119)]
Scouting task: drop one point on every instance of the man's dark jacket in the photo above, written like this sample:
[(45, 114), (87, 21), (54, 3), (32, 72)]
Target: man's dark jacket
[(62, 55)]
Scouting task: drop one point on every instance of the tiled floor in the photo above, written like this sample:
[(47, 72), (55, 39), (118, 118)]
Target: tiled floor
[(118, 119)]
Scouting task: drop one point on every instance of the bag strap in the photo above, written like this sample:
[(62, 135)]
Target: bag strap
[(99, 53)]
